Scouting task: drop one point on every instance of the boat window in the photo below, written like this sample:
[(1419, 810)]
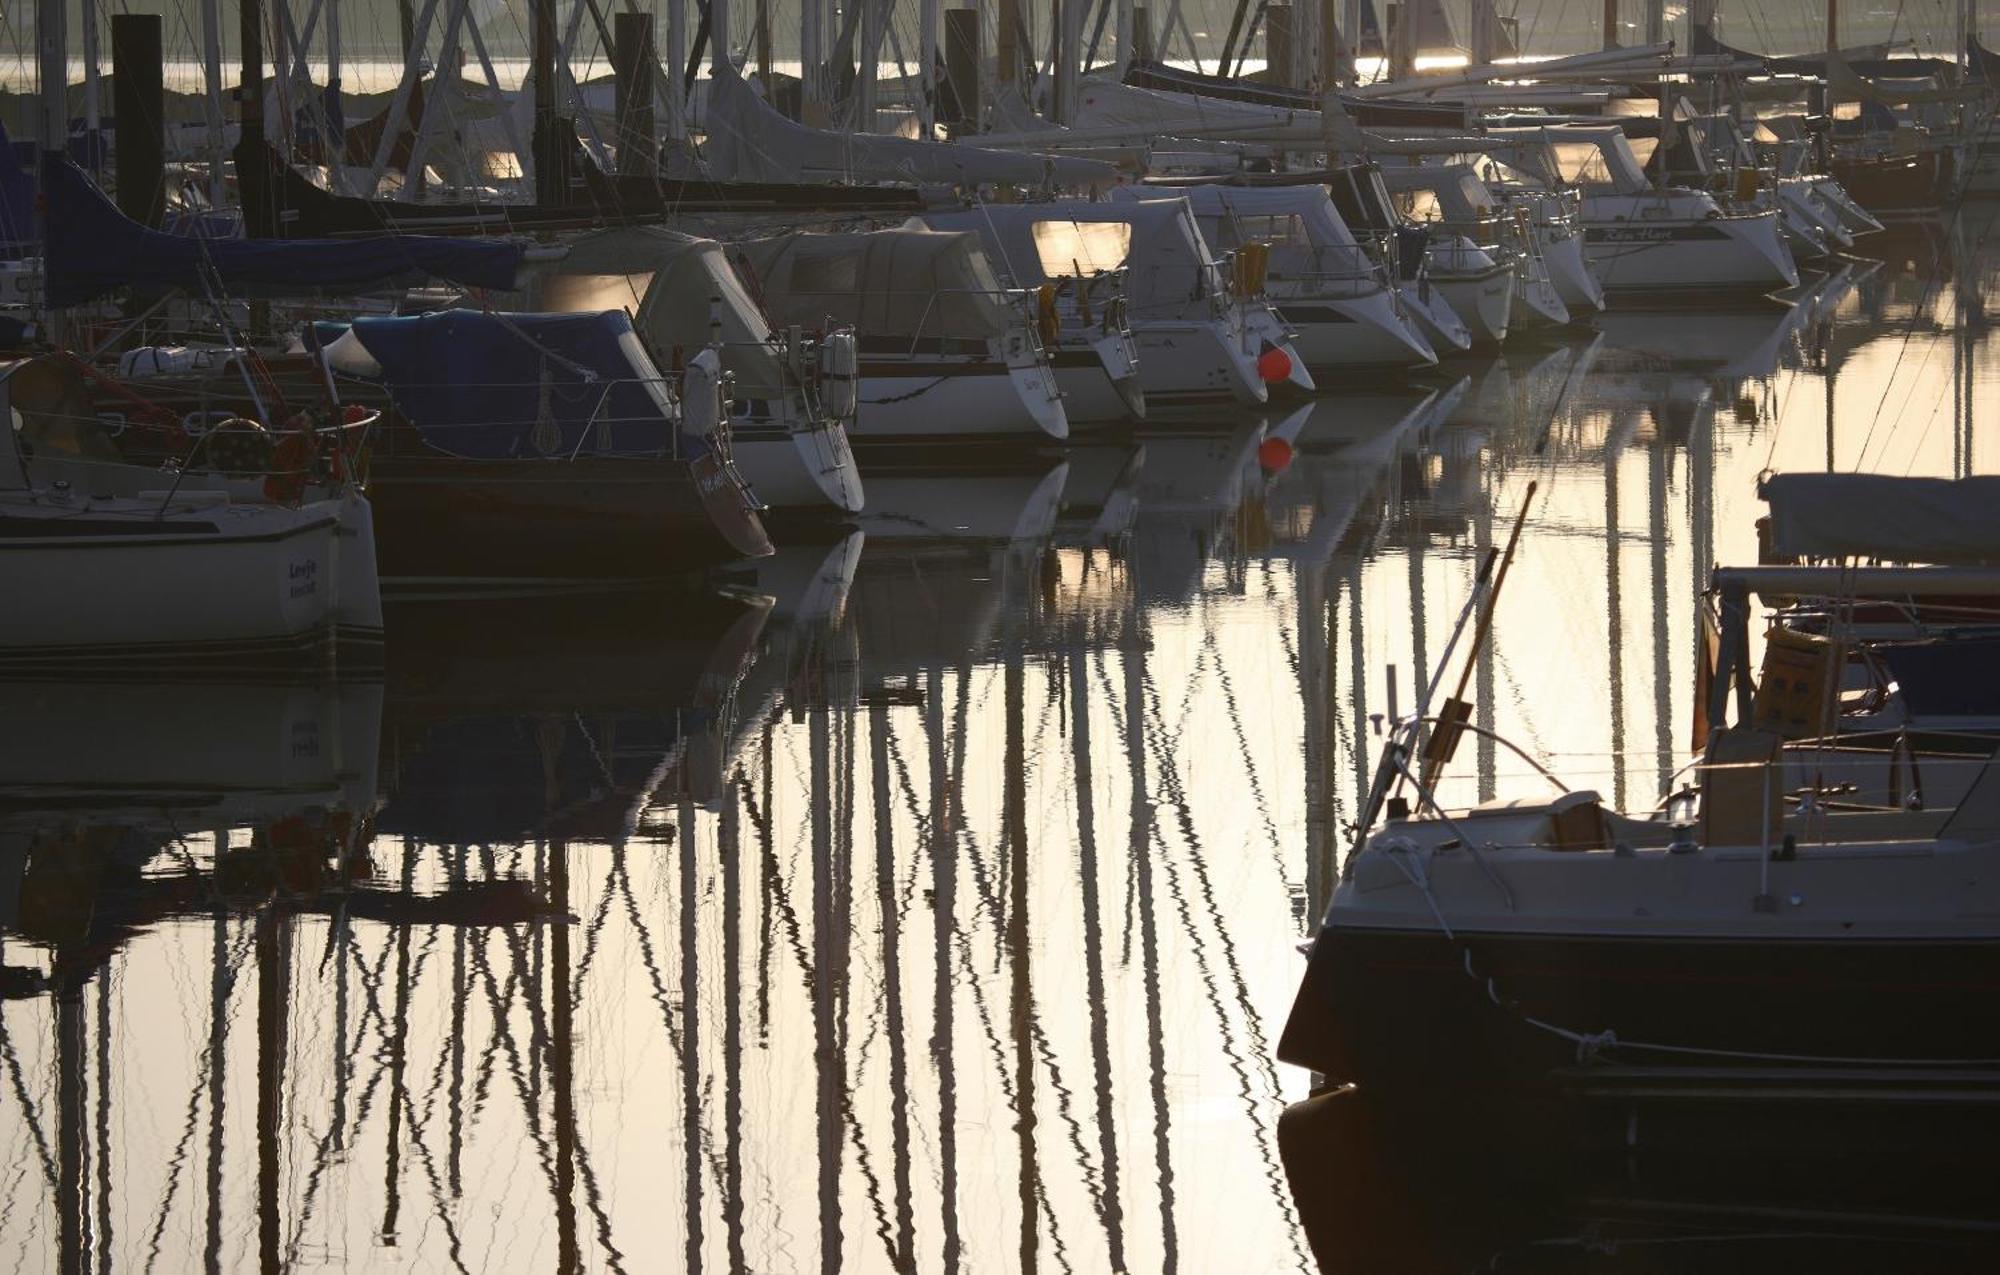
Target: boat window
[(500, 166), (1361, 200), (1474, 193), (826, 273), (593, 293), (1284, 229), (1420, 205), (1582, 164), (1068, 248), (1618, 162)]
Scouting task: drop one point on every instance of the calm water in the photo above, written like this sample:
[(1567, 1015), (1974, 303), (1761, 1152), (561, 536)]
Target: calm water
[(927, 900)]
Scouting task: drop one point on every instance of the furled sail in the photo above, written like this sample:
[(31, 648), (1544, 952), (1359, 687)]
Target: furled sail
[(91, 250), (886, 283), (750, 141)]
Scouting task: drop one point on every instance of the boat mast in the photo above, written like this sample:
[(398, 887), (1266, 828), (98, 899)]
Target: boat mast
[(551, 188), (250, 91), (92, 114), (273, 1013), (811, 95), (1483, 36), (70, 1241), (928, 18), (562, 1056), (52, 62), (1021, 999), (211, 70), (1229, 61), (1611, 23), (1069, 40), (1832, 26), (1403, 42)]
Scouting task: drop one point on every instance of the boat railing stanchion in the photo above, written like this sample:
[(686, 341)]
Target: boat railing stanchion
[(1764, 902)]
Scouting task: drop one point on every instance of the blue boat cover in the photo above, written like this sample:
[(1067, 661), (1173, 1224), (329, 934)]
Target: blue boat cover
[(18, 231), (493, 386), (93, 249)]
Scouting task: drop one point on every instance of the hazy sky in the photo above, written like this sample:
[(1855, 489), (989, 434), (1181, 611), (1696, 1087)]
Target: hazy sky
[(370, 27)]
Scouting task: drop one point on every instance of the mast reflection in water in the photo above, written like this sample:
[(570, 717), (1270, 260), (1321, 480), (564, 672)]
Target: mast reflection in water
[(925, 899)]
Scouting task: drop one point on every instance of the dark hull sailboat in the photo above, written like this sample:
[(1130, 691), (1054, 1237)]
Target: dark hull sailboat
[(1894, 183), (1397, 1009), (280, 203)]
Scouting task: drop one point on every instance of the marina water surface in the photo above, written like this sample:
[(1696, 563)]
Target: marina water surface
[(930, 898)]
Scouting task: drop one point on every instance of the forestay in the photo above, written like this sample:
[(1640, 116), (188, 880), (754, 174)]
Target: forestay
[(886, 283)]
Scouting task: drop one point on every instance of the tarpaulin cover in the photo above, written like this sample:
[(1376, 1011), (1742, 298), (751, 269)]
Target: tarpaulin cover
[(674, 286), (517, 386), (883, 283), (1168, 271), (92, 249), (1932, 521)]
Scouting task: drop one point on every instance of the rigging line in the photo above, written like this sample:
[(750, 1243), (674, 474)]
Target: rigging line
[(906, 784), (502, 1035), (1103, 1177), (623, 884), (20, 1086), (1115, 708), (1184, 818), (1285, 635), (1916, 310), (1262, 802), (1254, 1105), (454, 1242), (592, 933), (1003, 1074), (984, 885), (204, 1064), (482, 1076), (872, 1181)]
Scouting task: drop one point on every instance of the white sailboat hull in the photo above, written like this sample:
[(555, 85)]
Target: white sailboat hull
[(1569, 271), (213, 581), (1340, 334), (1483, 301), (805, 469), (946, 395), (1099, 379), (1195, 361), (1642, 253)]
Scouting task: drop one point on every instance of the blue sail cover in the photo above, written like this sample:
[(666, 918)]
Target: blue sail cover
[(494, 387), (18, 231), (93, 249)]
